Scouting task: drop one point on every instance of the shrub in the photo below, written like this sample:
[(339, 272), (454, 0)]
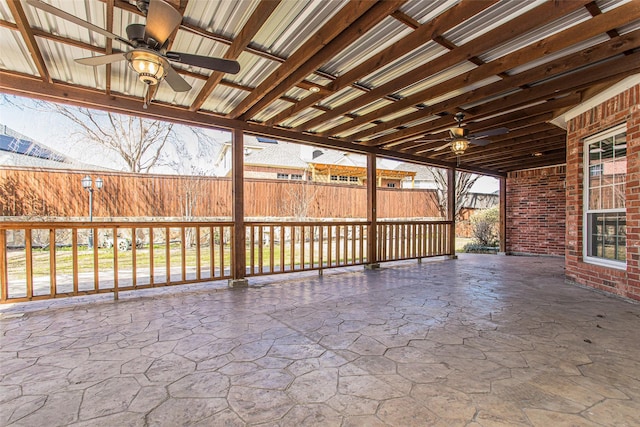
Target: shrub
[(485, 227)]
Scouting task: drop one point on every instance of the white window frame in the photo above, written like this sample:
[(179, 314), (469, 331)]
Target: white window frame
[(586, 231)]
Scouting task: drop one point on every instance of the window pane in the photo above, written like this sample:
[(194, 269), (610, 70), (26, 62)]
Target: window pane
[(594, 198)]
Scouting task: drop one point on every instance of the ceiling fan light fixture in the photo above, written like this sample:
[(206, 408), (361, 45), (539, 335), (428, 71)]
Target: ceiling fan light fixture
[(149, 66), (459, 146)]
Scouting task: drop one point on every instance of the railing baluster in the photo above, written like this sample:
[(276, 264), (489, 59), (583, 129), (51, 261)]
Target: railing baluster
[(271, 249), (115, 263), (29, 262), (4, 275), (74, 257), (282, 246), (292, 244), (96, 260), (198, 260), (134, 258), (321, 247), (151, 260), (302, 245), (167, 253), (52, 262), (183, 252), (260, 248), (329, 245), (221, 250)]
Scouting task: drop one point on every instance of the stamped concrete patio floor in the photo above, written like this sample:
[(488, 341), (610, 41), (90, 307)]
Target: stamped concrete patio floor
[(480, 341)]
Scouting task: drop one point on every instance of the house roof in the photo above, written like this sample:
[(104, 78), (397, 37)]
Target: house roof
[(381, 77), (282, 154), (21, 151)]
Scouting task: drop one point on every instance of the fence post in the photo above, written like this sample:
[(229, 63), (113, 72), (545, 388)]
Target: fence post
[(372, 216), (238, 251)]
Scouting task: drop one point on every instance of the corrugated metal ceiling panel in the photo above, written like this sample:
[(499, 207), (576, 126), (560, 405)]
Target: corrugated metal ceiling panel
[(223, 99), (220, 17), (11, 41), (62, 67), (293, 22), (302, 117), (425, 11), (273, 109), (422, 55), (438, 78), (383, 35)]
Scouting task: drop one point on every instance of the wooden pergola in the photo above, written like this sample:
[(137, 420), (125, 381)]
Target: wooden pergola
[(382, 78)]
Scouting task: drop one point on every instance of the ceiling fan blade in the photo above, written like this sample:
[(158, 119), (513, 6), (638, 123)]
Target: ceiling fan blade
[(491, 132), (101, 60), (428, 140), (443, 147), (480, 142), (162, 19), (176, 81), (215, 64), (71, 18)]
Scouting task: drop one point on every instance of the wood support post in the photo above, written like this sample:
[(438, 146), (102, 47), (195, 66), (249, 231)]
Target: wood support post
[(451, 210), (503, 216), (239, 256), (372, 216)]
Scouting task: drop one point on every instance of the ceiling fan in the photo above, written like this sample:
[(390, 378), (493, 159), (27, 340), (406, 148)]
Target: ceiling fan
[(460, 138), (147, 54)]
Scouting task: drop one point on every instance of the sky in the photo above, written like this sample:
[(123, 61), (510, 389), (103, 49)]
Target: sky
[(49, 128)]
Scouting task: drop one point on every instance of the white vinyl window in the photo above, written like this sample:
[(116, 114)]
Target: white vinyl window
[(605, 217)]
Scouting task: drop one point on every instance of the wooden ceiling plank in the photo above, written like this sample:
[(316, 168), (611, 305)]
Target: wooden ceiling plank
[(30, 41), (361, 26), (447, 121), (257, 19), (340, 21), (528, 147), (551, 155), (442, 23), (538, 16), (551, 44)]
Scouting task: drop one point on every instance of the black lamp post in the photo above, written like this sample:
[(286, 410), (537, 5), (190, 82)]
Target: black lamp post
[(87, 184)]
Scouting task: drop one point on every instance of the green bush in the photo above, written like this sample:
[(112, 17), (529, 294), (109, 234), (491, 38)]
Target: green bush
[(485, 227)]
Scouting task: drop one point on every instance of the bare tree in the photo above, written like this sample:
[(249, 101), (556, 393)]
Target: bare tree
[(299, 200), (139, 142), (464, 182)]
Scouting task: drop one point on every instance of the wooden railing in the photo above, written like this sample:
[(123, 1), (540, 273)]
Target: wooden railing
[(283, 247), (41, 260), (411, 240)]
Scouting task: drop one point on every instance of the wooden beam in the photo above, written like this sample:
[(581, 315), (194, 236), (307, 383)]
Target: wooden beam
[(551, 44), (503, 214), (372, 214), (360, 26), (576, 81), (442, 23), (446, 122), (340, 21), (109, 47), (257, 19), (239, 267), (530, 20), (451, 210), (22, 85), (406, 19), (27, 35)]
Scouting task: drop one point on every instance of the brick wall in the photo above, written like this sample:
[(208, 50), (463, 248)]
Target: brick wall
[(622, 108), (536, 211)]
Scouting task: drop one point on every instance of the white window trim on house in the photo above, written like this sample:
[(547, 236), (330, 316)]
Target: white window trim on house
[(586, 232)]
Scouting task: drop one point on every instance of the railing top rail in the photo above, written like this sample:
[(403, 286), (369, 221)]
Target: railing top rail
[(10, 225), (304, 223), (414, 222)]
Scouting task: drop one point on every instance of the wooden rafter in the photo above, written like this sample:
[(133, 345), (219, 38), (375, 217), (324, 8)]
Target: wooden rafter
[(360, 26), (523, 23), (341, 20), (260, 15), (442, 23), (522, 56), (23, 26), (109, 46)]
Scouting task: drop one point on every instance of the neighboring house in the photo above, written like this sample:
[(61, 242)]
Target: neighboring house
[(18, 150), (270, 159)]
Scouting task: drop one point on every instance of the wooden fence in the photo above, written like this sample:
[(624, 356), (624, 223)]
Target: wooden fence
[(52, 193)]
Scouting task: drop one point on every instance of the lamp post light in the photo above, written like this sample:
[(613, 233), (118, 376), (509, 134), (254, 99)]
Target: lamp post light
[(87, 184)]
